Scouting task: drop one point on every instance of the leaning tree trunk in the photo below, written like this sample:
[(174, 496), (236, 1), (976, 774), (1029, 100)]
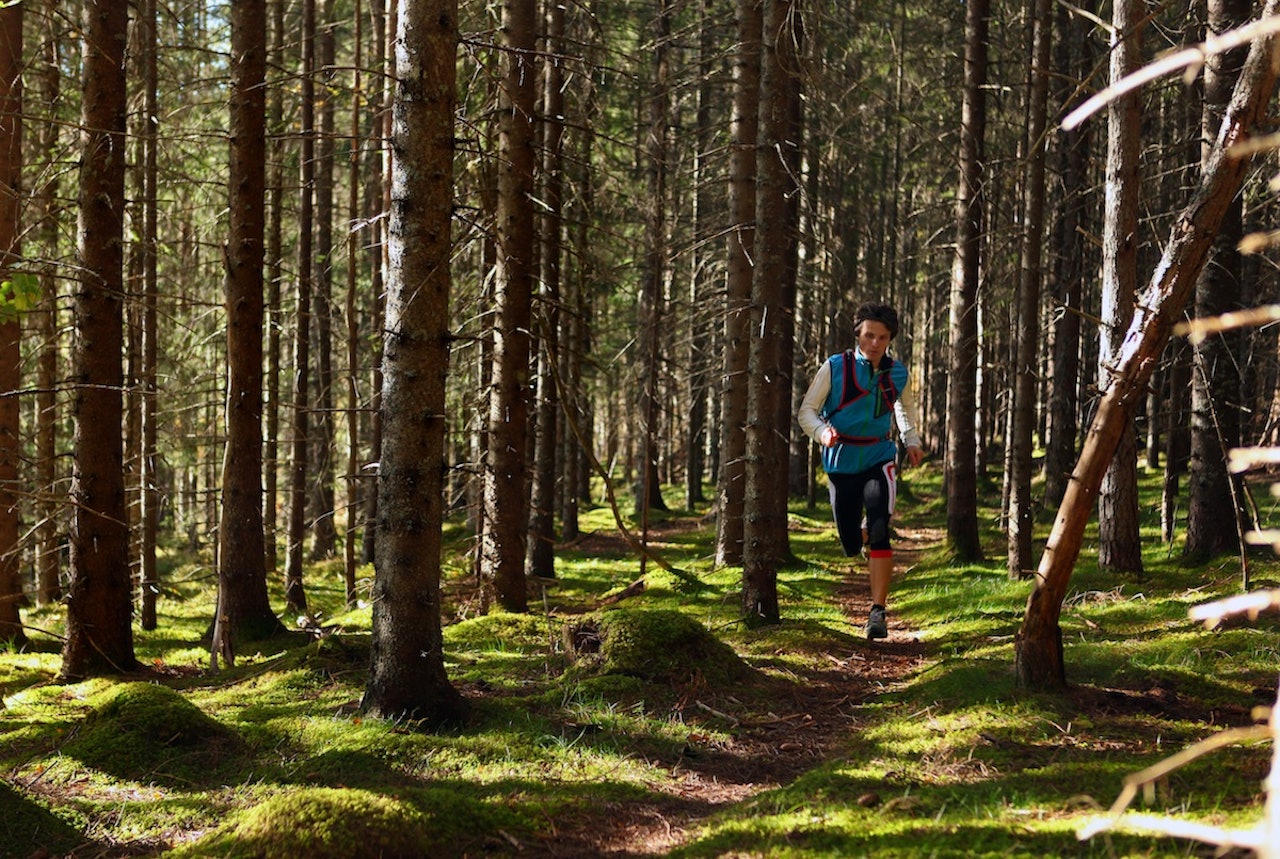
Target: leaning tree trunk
[(407, 676), (99, 629), (1038, 647)]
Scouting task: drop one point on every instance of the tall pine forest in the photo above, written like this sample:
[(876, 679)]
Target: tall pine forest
[(658, 219)]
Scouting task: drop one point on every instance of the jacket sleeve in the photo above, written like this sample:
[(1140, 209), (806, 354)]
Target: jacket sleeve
[(904, 415), (809, 415)]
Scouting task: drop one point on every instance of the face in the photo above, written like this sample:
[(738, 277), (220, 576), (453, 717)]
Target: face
[(873, 339)]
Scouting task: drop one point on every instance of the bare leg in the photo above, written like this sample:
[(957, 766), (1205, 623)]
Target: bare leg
[(881, 570)]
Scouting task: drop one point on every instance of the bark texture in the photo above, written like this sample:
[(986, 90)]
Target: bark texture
[(505, 520), (407, 676), (961, 467), (244, 609), (744, 125), (1119, 543), (99, 633)]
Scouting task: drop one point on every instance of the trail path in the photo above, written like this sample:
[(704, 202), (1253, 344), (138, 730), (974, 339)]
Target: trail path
[(813, 716)]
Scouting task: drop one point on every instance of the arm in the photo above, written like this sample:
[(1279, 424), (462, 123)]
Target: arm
[(809, 416), (904, 414)]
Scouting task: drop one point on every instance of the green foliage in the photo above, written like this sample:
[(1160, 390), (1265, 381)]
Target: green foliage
[(18, 295)]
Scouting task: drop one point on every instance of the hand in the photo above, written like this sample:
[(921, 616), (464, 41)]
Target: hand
[(915, 456), (827, 437)]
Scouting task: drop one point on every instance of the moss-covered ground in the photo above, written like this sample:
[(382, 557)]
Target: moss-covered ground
[(658, 723)]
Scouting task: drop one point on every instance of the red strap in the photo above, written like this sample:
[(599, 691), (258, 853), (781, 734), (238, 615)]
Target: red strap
[(861, 439)]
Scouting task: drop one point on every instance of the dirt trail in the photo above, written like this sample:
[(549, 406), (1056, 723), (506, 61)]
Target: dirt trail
[(809, 722)]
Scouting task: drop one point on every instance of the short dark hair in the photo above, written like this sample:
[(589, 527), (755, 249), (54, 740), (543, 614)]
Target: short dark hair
[(873, 312)]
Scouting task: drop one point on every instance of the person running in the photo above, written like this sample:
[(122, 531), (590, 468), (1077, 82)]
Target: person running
[(848, 410)]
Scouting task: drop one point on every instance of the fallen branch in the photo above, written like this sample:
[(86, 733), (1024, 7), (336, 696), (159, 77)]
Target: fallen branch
[(1188, 58)]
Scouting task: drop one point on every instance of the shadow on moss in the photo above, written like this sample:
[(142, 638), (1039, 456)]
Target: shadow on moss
[(29, 829)]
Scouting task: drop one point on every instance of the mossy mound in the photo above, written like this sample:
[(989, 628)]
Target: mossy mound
[(657, 645), (336, 823), (149, 733), (499, 631)]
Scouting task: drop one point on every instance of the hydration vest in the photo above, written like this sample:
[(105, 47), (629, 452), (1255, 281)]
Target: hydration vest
[(860, 409)]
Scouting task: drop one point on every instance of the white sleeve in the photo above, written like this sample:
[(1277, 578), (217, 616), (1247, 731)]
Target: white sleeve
[(904, 414), (808, 417)]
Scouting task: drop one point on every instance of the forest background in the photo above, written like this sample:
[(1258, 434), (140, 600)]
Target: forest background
[(346, 274), (627, 234)]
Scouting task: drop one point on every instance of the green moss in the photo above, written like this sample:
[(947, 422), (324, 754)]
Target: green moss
[(149, 733), (502, 631), (320, 823), (660, 645)]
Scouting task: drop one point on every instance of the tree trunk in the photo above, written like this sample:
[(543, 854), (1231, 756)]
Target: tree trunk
[(576, 406), (960, 470), (701, 286), (765, 509), (353, 484), (1213, 514), (48, 509), (503, 549), (99, 630), (744, 125), (244, 609), (1119, 543), (148, 456), (294, 594), (380, 201), (1021, 509), (10, 328), (1038, 647), (407, 676), (1077, 59), (652, 305), (542, 507), (322, 502), (1177, 437), (275, 272)]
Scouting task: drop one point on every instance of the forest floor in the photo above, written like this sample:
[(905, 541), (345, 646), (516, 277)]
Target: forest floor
[(817, 742), (809, 721)]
